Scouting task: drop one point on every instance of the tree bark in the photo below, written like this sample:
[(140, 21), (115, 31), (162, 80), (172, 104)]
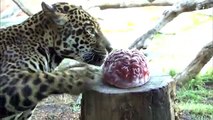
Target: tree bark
[(196, 65), (152, 101)]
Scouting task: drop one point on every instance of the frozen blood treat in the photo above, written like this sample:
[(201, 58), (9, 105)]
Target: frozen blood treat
[(126, 69)]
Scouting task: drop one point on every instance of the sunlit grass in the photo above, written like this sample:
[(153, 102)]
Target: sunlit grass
[(196, 108), (195, 98)]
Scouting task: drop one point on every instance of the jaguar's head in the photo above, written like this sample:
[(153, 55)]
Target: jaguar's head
[(78, 34)]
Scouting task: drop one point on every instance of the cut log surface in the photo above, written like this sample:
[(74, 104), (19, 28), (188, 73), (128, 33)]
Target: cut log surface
[(152, 101)]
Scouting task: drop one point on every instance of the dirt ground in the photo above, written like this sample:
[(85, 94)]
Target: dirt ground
[(56, 108)]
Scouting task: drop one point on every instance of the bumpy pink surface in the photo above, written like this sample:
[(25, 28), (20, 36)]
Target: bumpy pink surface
[(126, 69)]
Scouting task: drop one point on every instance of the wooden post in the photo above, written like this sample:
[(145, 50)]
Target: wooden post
[(152, 101)]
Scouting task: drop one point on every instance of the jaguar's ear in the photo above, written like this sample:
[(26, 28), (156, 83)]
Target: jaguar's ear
[(52, 14)]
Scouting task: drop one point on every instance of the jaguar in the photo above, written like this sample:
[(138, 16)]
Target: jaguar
[(31, 50)]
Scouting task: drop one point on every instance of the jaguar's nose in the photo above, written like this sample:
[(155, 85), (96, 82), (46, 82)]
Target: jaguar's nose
[(109, 49), (94, 58)]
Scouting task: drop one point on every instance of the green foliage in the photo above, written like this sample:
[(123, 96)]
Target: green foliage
[(196, 97), (172, 72), (199, 81), (202, 109), (208, 76), (193, 96), (195, 84)]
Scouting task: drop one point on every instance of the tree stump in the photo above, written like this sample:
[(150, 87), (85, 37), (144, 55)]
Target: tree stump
[(152, 101)]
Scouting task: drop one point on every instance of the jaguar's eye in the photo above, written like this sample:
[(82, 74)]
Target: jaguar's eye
[(90, 30)]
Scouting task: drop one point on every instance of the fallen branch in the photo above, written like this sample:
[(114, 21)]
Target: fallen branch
[(196, 65), (168, 16), (130, 5), (106, 4), (22, 7)]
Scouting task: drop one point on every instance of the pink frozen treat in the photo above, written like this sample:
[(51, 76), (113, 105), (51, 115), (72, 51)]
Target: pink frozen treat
[(126, 69)]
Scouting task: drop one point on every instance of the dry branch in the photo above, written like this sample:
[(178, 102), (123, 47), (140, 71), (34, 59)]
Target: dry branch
[(106, 4), (22, 7), (196, 65), (168, 16), (130, 5)]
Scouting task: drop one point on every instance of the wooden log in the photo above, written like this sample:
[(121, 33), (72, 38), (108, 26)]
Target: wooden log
[(203, 57), (152, 101)]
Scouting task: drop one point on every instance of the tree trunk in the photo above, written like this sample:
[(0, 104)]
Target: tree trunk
[(196, 65), (152, 101)]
